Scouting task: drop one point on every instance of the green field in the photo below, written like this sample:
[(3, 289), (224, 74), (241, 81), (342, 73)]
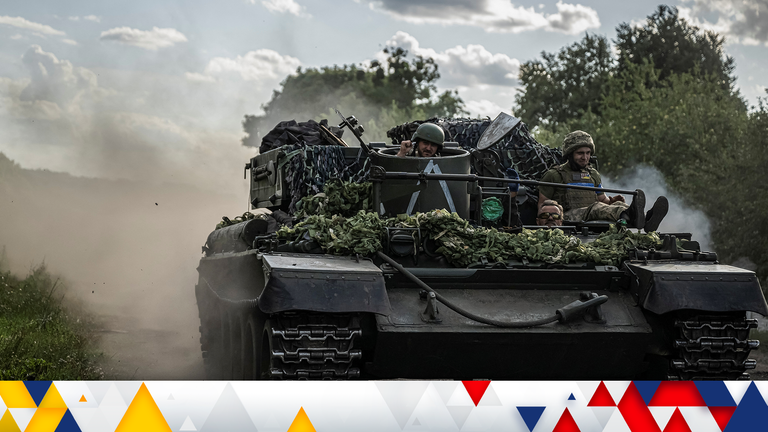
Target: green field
[(39, 339)]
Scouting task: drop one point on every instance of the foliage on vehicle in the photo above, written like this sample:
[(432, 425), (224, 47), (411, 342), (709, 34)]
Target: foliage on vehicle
[(463, 244)]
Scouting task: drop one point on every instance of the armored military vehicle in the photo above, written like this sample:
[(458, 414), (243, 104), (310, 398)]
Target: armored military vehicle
[(276, 308)]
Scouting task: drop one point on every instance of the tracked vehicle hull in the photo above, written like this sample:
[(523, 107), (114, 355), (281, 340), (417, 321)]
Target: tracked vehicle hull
[(310, 316)]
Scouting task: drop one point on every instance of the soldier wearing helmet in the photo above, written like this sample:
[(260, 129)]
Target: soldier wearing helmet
[(585, 205), (427, 141)]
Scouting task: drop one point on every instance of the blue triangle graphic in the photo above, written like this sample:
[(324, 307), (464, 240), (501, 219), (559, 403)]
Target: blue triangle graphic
[(647, 389), (571, 397), (37, 389), (751, 413), (531, 415), (68, 424), (715, 393)]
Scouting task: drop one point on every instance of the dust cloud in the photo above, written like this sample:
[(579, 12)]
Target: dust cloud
[(681, 218), (128, 251)]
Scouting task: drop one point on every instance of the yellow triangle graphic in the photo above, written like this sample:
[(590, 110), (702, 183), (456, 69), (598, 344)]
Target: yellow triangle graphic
[(52, 399), (46, 419), (82, 399), (143, 415), (8, 424), (15, 395), (301, 423)]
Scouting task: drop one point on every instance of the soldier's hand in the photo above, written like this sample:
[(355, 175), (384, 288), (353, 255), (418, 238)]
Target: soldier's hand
[(617, 198), (405, 148)]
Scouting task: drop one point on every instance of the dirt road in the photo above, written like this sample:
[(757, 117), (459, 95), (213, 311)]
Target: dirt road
[(133, 351)]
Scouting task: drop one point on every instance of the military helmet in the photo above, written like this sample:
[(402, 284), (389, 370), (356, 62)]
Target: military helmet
[(429, 132), (575, 140)]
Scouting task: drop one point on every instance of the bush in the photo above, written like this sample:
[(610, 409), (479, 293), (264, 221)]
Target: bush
[(38, 339)]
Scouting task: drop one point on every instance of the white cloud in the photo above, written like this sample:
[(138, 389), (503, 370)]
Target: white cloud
[(483, 108), (472, 65), (284, 6), (69, 41), (263, 65), (54, 80), (16, 36), (93, 18), (20, 22), (148, 39), (740, 21), (198, 77), (492, 15)]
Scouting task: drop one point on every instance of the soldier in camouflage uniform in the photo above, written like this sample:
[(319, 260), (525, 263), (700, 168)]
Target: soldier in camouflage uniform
[(428, 141), (584, 205)]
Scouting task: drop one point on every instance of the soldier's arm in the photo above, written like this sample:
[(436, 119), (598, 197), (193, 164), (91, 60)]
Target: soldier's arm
[(602, 196), (549, 177)]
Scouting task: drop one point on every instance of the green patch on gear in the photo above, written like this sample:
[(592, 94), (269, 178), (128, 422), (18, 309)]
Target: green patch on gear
[(492, 209)]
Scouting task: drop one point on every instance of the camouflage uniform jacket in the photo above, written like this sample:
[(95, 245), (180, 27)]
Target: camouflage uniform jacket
[(571, 198)]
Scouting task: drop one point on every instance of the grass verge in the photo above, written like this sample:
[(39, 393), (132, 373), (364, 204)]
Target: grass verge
[(38, 339)]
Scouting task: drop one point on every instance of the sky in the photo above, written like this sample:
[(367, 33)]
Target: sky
[(157, 90)]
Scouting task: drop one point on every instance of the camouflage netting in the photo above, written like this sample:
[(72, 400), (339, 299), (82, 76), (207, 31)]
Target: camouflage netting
[(309, 132), (518, 149), (310, 167), (225, 221), (463, 244)]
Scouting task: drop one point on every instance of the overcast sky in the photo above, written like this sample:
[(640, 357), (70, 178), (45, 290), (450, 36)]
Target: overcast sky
[(156, 90)]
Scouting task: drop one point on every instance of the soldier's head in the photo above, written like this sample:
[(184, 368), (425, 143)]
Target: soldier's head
[(428, 139), (578, 147), (551, 214)]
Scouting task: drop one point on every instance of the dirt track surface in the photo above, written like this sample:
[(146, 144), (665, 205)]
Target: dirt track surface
[(136, 352)]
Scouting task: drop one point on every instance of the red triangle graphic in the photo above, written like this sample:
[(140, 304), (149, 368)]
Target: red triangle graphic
[(722, 415), (677, 423), (476, 389), (601, 398), (677, 393), (566, 423), (635, 412)]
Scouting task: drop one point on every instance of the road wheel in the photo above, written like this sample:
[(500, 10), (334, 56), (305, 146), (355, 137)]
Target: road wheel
[(235, 345), (265, 361), (256, 354)]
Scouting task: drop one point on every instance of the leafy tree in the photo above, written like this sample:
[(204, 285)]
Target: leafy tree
[(674, 46), (565, 85), (687, 127), (381, 96)]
